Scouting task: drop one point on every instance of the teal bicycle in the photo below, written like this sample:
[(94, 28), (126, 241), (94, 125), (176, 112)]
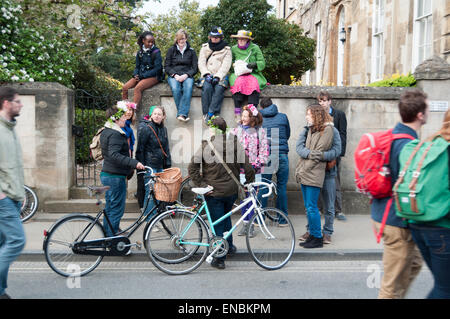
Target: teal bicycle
[(189, 240)]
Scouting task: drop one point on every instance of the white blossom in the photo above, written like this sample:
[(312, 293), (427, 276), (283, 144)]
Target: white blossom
[(14, 78)]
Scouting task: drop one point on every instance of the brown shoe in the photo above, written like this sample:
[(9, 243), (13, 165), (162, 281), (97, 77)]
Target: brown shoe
[(304, 237), (326, 239)]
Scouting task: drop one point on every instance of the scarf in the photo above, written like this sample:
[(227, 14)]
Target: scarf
[(217, 46), (129, 133), (245, 47)]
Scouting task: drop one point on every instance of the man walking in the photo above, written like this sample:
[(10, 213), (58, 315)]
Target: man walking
[(12, 193), (340, 123), (401, 258)]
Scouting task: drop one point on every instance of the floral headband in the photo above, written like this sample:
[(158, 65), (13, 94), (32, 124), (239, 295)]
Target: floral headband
[(253, 109), (123, 107)]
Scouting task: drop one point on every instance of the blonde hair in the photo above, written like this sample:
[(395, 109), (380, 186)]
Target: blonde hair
[(445, 129), (180, 34), (162, 110)]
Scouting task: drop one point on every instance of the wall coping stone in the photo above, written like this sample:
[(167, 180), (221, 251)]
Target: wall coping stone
[(435, 68)]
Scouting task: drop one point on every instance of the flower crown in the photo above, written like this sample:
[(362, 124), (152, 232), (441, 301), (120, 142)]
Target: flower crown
[(123, 107)]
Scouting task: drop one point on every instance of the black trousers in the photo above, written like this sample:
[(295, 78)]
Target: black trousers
[(239, 99)]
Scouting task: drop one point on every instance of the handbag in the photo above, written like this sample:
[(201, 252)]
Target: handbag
[(241, 191), (240, 66)]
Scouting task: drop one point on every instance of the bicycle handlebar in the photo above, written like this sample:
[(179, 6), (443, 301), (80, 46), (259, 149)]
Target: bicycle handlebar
[(269, 186), (147, 168)]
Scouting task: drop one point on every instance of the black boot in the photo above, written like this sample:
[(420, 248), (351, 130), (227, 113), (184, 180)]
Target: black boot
[(314, 243)]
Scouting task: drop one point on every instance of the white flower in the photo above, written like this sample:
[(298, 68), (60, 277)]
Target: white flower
[(4, 47), (40, 58), (5, 64), (50, 71), (12, 57), (31, 80), (14, 78), (61, 70), (59, 78)]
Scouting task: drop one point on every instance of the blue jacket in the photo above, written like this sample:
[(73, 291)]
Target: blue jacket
[(272, 119), (378, 204), (149, 64)]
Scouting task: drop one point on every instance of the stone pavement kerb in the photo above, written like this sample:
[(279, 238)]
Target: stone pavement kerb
[(352, 239)]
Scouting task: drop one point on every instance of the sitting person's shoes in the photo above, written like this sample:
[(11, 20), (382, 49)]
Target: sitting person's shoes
[(340, 216), (218, 263), (5, 296), (313, 242), (183, 118)]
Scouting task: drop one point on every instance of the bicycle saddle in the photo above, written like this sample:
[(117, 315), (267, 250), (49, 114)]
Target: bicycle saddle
[(92, 190), (202, 190)]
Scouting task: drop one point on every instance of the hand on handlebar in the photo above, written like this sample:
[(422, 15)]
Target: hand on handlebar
[(140, 166)]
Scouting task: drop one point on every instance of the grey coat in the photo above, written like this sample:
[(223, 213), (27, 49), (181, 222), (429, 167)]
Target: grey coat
[(312, 172)]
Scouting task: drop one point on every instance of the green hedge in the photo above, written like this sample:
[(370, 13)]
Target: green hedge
[(396, 80)]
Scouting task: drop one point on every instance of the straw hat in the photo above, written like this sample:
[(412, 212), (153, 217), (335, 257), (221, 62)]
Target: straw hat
[(243, 34)]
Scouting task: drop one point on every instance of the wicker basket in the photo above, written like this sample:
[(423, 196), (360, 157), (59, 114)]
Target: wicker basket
[(168, 184)]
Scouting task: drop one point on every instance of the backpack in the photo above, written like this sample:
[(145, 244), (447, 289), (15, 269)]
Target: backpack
[(421, 192), (95, 147), (372, 174)]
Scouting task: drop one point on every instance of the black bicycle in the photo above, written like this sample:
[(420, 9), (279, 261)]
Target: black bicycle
[(76, 244)]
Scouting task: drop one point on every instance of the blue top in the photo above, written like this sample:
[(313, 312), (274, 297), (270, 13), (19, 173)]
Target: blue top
[(129, 133), (276, 124), (378, 205)]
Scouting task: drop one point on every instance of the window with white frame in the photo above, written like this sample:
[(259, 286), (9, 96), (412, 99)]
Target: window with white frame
[(423, 31), (318, 52), (377, 40)]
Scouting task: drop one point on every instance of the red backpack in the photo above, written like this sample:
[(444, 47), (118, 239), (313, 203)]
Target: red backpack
[(372, 173)]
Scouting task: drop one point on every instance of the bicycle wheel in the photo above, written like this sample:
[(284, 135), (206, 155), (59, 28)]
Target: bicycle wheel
[(272, 246), (175, 244), (185, 195), (59, 243), (29, 205)]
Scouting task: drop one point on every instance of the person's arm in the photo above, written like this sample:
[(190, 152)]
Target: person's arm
[(113, 152), (157, 66), (335, 150), (226, 65), (323, 144), (260, 61), (301, 149), (168, 159), (202, 62), (168, 63), (194, 65), (263, 151), (343, 133), (138, 65)]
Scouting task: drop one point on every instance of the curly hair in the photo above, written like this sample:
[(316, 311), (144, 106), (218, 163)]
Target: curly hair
[(140, 40), (319, 117), (255, 121)]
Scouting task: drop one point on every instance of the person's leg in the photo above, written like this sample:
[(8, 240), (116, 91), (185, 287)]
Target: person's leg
[(238, 100), (338, 202), (207, 93), (175, 86), (217, 100), (254, 98), (141, 86), (434, 244), (130, 84), (185, 102), (115, 199), (329, 196), (311, 195), (282, 180), (13, 238)]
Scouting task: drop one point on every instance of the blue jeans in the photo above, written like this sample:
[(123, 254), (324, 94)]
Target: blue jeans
[(310, 198), (182, 93), (329, 198), (434, 245), (115, 199), (218, 207), (12, 237), (212, 98), (151, 204), (282, 172)]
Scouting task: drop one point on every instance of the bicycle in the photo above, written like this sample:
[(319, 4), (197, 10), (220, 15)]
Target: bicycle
[(80, 241), (186, 244), (29, 205)]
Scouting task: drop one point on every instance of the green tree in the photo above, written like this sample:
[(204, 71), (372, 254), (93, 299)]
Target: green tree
[(286, 50)]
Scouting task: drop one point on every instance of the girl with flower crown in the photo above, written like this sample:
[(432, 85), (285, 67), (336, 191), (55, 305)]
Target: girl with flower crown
[(253, 138), (117, 164)]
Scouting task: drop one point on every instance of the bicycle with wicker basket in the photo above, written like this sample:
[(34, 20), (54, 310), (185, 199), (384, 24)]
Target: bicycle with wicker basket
[(76, 244)]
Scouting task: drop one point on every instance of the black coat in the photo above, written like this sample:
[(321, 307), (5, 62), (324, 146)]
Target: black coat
[(340, 123), (177, 63), (149, 64), (148, 151), (116, 153)]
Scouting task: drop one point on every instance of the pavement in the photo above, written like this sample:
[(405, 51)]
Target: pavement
[(353, 239)]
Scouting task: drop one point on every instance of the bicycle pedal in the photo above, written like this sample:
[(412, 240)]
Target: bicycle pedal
[(138, 245), (209, 259)]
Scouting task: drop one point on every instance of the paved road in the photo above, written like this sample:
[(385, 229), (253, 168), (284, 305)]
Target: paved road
[(240, 280)]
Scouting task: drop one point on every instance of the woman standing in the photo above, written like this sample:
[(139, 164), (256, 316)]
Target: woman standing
[(116, 166), (214, 63), (253, 138), (310, 171), (148, 71), (206, 170), (153, 146), (181, 66), (247, 79)]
